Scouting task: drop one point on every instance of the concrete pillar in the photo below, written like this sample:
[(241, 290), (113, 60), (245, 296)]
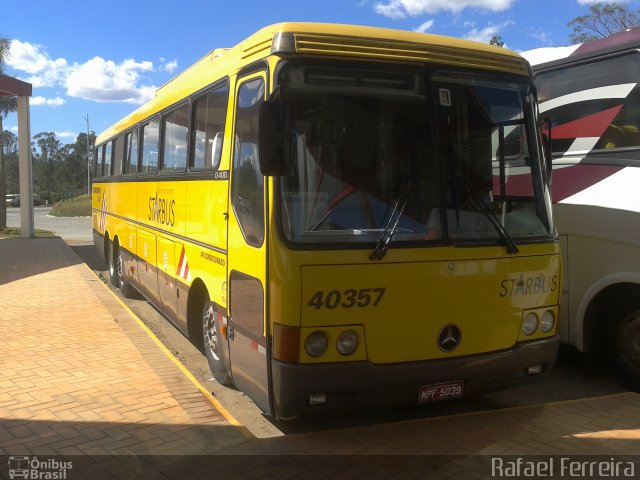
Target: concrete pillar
[(24, 161)]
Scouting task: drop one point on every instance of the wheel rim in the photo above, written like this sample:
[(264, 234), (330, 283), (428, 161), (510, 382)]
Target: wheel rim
[(112, 262), (119, 268), (210, 335)]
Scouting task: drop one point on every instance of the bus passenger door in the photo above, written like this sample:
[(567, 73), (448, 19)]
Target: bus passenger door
[(247, 249)]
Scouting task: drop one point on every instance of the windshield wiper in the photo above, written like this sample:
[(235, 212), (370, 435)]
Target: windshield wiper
[(404, 192), (493, 219), (482, 207)]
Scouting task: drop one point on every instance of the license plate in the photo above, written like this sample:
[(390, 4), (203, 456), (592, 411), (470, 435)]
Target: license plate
[(441, 391)]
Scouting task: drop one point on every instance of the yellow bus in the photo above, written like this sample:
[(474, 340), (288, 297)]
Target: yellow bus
[(332, 215)]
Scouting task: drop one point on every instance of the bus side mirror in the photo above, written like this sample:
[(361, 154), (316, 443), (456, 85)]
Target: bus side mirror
[(271, 139), (545, 132)]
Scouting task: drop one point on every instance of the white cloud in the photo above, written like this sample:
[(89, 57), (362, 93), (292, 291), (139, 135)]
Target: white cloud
[(50, 102), (545, 38), (103, 80), (401, 8), (31, 59), (484, 35), (425, 26), (66, 134), (169, 67), (97, 79)]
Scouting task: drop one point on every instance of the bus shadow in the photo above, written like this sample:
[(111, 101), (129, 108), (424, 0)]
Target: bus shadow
[(89, 254)]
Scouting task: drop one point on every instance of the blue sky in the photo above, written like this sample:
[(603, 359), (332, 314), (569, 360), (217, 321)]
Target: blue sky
[(102, 59)]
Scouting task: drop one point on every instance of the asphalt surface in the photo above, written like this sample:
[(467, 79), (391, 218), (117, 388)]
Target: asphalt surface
[(71, 229)]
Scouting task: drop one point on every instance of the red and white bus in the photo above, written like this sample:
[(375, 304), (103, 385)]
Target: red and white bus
[(589, 95)]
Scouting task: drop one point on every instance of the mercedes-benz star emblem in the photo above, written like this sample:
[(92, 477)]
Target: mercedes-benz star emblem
[(449, 338)]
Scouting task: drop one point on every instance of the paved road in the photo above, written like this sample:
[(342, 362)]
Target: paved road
[(73, 230)]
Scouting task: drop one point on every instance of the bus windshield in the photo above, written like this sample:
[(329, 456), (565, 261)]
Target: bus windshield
[(381, 154)]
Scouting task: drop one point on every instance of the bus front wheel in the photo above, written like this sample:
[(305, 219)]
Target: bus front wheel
[(212, 336), (628, 342)]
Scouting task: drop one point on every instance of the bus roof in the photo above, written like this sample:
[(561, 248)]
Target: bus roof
[(546, 58), (319, 39)]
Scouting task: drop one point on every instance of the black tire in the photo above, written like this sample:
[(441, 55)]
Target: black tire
[(125, 287), (113, 270), (627, 342), (211, 335)]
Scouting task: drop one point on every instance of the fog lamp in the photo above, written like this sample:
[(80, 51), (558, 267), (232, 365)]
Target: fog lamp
[(534, 370), (317, 399)]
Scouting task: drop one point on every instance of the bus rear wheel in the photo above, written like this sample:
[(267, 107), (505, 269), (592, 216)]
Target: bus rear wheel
[(628, 343), (125, 287), (211, 346), (116, 271)]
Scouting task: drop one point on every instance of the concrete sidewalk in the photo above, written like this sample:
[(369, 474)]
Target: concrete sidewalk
[(80, 375)]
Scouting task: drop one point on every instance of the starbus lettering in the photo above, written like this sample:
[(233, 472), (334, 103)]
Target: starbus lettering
[(162, 210), (528, 285)]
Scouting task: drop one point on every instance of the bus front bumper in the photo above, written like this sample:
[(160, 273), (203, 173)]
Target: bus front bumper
[(352, 385)]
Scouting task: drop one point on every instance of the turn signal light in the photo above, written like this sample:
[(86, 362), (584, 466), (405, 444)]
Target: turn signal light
[(286, 343)]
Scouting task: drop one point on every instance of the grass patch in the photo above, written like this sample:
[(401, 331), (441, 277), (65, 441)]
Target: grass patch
[(75, 207), (11, 232)]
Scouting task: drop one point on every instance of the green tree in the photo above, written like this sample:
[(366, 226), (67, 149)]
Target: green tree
[(7, 105), (10, 156), (47, 155), (71, 171), (497, 41), (603, 19)]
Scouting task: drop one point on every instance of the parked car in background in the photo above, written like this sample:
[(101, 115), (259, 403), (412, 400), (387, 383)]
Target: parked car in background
[(12, 200), (37, 200)]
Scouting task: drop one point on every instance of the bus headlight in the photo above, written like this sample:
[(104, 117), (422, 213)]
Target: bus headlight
[(316, 344), (547, 321), (530, 323), (347, 342)]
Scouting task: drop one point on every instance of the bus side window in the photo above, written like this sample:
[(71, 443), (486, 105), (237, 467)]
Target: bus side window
[(118, 156), (131, 153), (209, 113), (150, 136), (97, 162), (175, 136), (247, 185), (106, 165)]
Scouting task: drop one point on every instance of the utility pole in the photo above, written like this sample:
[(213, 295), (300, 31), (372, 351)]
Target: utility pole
[(88, 158)]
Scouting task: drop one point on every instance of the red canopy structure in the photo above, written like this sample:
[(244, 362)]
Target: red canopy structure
[(12, 87)]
